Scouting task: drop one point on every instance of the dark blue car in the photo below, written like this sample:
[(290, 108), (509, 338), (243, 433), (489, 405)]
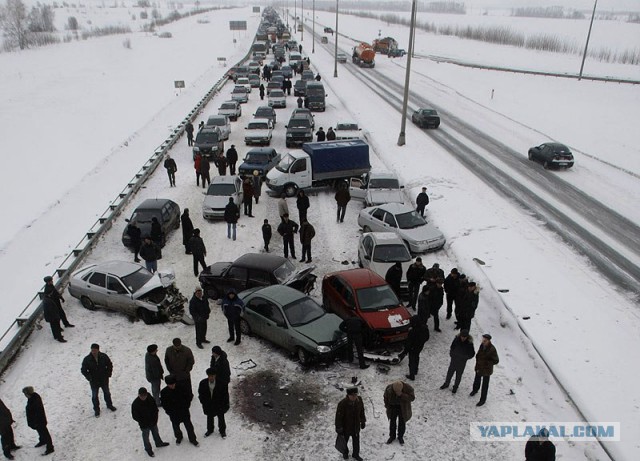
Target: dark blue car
[(259, 159)]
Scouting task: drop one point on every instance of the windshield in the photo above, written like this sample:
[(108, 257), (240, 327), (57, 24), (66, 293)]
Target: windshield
[(283, 272), (239, 89), (221, 190), (299, 123), (228, 106), (285, 163), (377, 298), (391, 254), (266, 113), (137, 280), (260, 159), (384, 183), (218, 121), (258, 126), (207, 136), (303, 311), (276, 94), (144, 216), (347, 126), (429, 112), (410, 220)]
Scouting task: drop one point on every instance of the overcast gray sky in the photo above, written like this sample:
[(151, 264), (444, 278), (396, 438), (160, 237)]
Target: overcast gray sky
[(604, 5)]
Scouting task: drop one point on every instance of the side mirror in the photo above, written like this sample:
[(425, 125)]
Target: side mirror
[(401, 187)]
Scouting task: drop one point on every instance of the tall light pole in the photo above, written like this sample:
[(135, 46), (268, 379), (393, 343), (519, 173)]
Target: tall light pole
[(403, 123), (288, 26), (295, 16), (584, 56), (302, 22), (313, 39), (335, 53)]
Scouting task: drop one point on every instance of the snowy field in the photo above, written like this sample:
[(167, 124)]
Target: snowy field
[(567, 322)]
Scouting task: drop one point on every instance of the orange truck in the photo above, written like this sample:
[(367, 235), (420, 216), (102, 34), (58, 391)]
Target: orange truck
[(364, 55)]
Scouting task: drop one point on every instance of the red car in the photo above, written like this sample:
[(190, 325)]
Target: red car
[(363, 293)]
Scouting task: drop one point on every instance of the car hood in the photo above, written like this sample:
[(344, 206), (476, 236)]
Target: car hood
[(216, 269), (227, 111), (299, 275), (215, 201), (257, 133), (427, 232), (347, 134), (299, 130), (323, 330), (380, 196), (160, 279), (391, 318)]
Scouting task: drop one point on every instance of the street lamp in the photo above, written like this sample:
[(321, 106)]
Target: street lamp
[(335, 53), (295, 16), (313, 42), (584, 56), (302, 22), (403, 123)]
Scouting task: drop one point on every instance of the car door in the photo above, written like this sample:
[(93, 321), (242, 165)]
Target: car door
[(377, 221), (118, 297), (235, 278), (276, 328), (239, 193), (258, 278), (96, 286), (390, 222), (357, 188), (365, 250), (334, 300), (300, 169), (254, 315)]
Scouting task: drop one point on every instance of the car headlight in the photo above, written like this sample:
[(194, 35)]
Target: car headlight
[(289, 135), (323, 349)]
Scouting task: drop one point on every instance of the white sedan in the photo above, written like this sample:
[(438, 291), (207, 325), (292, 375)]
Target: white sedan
[(259, 131), (413, 229), (348, 130), (277, 98), (378, 251)]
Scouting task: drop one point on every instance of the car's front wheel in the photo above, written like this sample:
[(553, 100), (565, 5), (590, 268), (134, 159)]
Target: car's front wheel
[(147, 316), (546, 165), (87, 303), (245, 328), (212, 293), (530, 156), (303, 356), (290, 190)]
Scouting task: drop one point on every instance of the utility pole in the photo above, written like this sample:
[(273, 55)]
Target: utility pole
[(584, 56), (313, 42), (302, 21), (403, 123), (295, 16), (335, 53)]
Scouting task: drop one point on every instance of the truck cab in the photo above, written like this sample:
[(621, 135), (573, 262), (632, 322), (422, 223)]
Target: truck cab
[(292, 173)]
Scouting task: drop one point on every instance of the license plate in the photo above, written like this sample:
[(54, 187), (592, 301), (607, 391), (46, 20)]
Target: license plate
[(563, 163)]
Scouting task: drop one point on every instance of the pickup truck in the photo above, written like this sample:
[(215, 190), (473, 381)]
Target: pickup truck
[(377, 188), (261, 159), (327, 163)]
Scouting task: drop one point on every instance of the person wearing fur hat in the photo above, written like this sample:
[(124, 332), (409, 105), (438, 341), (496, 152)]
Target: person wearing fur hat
[(220, 364), (397, 401), (153, 371), (350, 419), (486, 359), (214, 398), (176, 401), (460, 351)]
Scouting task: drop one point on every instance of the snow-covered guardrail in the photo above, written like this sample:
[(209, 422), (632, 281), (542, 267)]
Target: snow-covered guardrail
[(14, 337)]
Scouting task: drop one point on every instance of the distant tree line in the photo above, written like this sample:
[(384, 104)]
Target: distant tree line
[(22, 30), (546, 12), (450, 7)]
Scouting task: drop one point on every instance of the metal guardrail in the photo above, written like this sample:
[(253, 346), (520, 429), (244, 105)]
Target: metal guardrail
[(14, 337)]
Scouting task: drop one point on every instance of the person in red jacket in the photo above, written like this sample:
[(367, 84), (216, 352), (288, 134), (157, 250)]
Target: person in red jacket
[(196, 166)]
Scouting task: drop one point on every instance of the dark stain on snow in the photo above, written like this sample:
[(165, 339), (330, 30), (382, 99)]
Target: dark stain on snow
[(265, 398)]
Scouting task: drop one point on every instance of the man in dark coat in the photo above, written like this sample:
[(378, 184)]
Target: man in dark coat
[(220, 364), (307, 233), (468, 302), (50, 289), (393, 277), (150, 252), (257, 185), (302, 203), (145, 412), (451, 284), (486, 359), (97, 369), (200, 310), (189, 129), (423, 303), (350, 419), (460, 351), (231, 215), (331, 135), (6, 431), (434, 302), (418, 336), (232, 307), (187, 230), (214, 398), (261, 92), (135, 234), (247, 197), (355, 328), (156, 231), (179, 361), (266, 234), (300, 102), (198, 251), (422, 200), (540, 448), (222, 165), (397, 402), (286, 229), (462, 305), (153, 371), (342, 198), (415, 275), (176, 401), (52, 316), (232, 159), (37, 419), (287, 86), (205, 168), (171, 167), (321, 135), (433, 273)]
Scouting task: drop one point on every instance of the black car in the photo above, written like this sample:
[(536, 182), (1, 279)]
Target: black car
[(426, 118), (300, 88), (552, 155), (299, 131), (209, 143), (167, 212), (255, 270)]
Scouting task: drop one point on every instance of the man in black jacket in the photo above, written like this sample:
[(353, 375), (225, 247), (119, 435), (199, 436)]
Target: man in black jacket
[(220, 364), (37, 419), (232, 159), (52, 316), (198, 251), (171, 167), (145, 412), (393, 277), (422, 200), (418, 336), (214, 398), (200, 310), (451, 284), (176, 402), (187, 230), (435, 299), (135, 234), (460, 351), (321, 135), (156, 232), (189, 129), (286, 229), (266, 234), (150, 252), (232, 308), (302, 203), (6, 431), (97, 369), (415, 276), (153, 371), (50, 289), (355, 328), (231, 216), (540, 448)]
